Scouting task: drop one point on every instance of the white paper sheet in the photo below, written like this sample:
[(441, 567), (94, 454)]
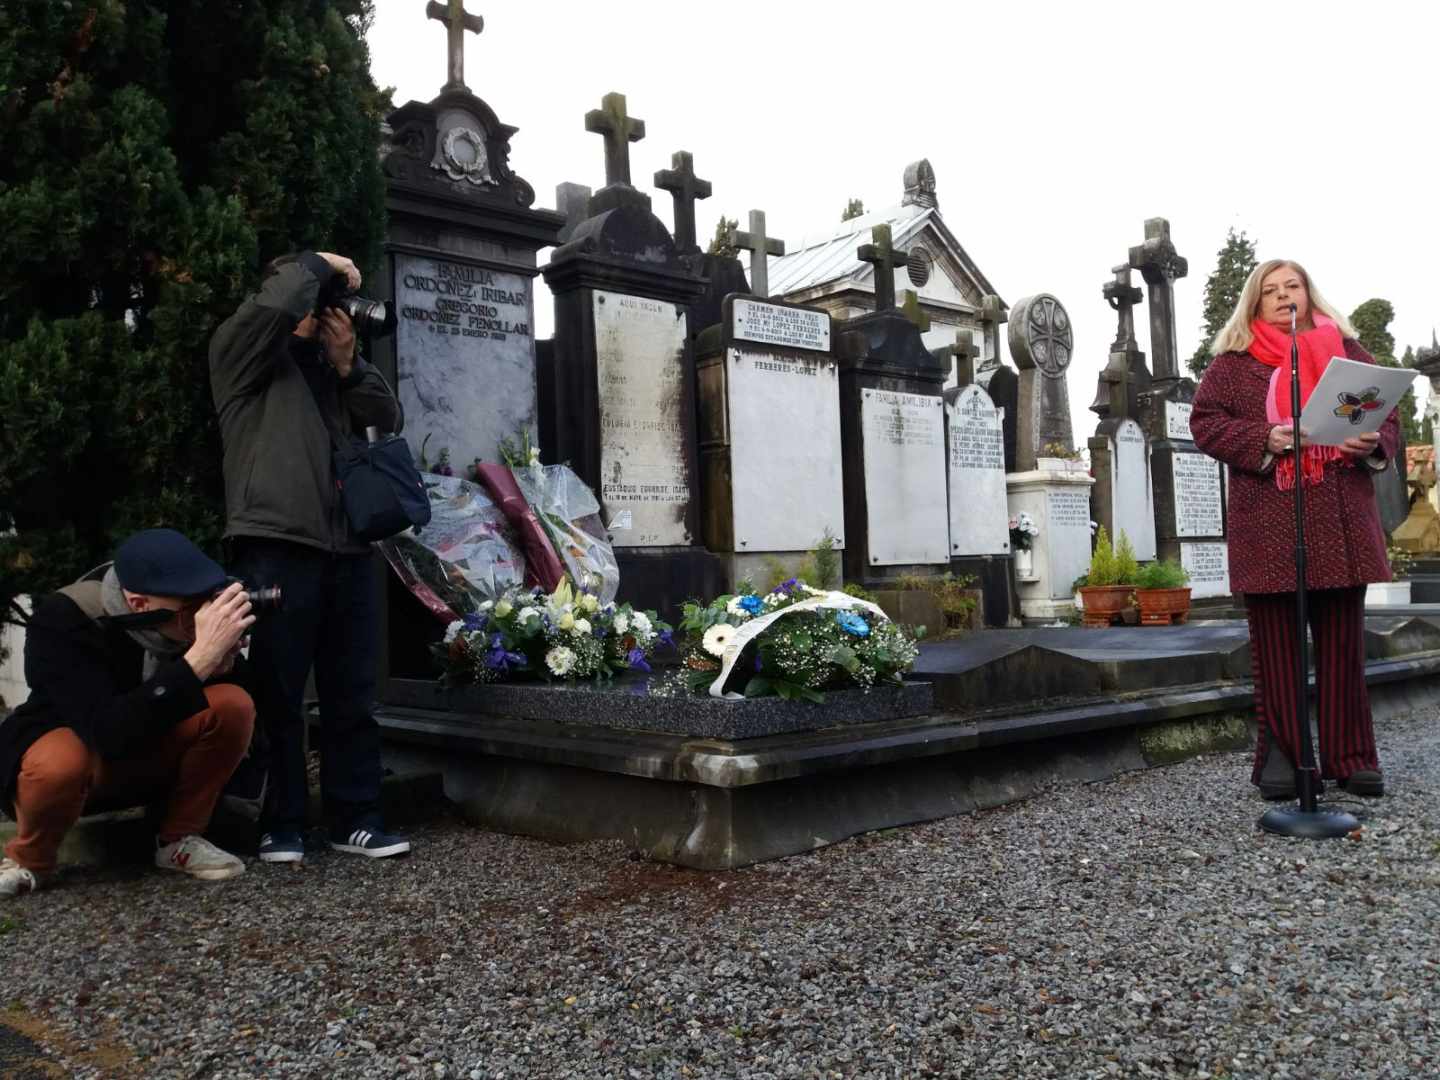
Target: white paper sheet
[(1351, 398)]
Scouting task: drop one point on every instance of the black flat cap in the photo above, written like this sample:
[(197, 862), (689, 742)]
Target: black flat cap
[(162, 562)]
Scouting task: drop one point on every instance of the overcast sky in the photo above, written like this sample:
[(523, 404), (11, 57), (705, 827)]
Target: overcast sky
[(1055, 129)]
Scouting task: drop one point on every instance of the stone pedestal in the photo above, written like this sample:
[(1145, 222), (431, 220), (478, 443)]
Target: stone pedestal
[(1056, 495)]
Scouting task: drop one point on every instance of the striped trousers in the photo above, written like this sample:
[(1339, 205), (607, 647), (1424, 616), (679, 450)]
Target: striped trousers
[(1337, 629)]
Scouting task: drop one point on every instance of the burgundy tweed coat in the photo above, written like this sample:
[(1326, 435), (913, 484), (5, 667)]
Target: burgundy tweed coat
[(1344, 543)]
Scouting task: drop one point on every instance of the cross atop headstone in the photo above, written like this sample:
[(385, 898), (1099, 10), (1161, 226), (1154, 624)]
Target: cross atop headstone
[(914, 312), (1122, 297), (882, 255), (761, 247), (992, 314), (620, 130), (572, 200), (458, 21), (1161, 266), (682, 183), (965, 350)]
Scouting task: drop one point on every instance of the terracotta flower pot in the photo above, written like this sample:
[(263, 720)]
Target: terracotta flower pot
[(1104, 603), (1162, 607)]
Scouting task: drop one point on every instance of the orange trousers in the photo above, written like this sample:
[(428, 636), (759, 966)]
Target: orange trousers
[(60, 777)]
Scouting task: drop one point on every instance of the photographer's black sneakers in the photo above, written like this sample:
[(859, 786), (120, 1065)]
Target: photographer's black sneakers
[(376, 842)]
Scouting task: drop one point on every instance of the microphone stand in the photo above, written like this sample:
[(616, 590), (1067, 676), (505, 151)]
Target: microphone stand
[(1303, 820)]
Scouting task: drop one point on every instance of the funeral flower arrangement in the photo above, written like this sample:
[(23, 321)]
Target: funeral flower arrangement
[(565, 635), (793, 642), (1023, 531)]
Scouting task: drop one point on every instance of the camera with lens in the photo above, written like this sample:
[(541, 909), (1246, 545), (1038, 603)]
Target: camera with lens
[(375, 318), (264, 599)]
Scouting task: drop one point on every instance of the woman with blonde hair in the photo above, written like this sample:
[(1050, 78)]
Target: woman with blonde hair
[(1241, 417)]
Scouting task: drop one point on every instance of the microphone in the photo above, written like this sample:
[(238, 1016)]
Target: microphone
[(1293, 309)]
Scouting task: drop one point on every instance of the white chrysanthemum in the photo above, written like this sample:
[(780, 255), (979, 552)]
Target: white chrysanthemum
[(812, 590), (582, 626), (717, 637), (641, 623), (621, 623), (560, 660), (528, 613), (775, 599), (453, 631)]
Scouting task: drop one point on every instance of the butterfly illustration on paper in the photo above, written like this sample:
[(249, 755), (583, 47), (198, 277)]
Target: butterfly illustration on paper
[(1353, 407)]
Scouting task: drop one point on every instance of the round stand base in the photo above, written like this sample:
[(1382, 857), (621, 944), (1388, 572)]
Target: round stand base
[(1312, 825)]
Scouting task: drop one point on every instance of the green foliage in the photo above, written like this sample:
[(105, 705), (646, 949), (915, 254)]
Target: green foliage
[(1400, 560), (156, 154), (820, 568), (1127, 568), (1233, 264), (1102, 561), (851, 588), (853, 209), (1166, 574), (1372, 327), (723, 243)]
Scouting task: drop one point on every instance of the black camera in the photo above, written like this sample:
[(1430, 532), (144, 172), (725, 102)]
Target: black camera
[(264, 599), (375, 318)]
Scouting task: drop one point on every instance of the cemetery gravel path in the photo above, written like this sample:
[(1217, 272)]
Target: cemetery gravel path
[(1137, 927)]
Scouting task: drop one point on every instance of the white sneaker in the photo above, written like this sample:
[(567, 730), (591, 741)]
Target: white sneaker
[(196, 856), (15, 880)]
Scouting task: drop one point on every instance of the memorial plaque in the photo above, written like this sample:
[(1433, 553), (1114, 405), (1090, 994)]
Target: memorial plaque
[(979, 513), (465, 357), (1198, 509), (1130, 484), (784, 416), (640, 348), (774, 324), (1177, 420), (1065, 535), (1209, 568), (904, 443)]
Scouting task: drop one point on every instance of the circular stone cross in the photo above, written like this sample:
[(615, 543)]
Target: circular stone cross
[(1040, 335)]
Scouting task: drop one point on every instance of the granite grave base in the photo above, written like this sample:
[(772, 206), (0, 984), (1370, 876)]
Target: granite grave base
[(717, 803)]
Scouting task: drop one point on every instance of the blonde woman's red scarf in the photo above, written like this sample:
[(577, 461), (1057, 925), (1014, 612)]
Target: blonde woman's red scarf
[(1272, 348)]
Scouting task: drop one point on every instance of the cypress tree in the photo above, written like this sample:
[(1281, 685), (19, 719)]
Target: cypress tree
[(1233, 264), (158, 152)]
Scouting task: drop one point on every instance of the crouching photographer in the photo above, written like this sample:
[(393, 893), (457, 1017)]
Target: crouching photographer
[(131, 697), (291, 392)]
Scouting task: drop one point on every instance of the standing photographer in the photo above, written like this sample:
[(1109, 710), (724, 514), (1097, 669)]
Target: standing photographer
[(287, 382)]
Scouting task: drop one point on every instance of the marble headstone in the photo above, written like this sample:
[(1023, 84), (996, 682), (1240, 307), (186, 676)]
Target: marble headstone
[(1134, 503), (905, 467), (1208, 564), (979, 512)]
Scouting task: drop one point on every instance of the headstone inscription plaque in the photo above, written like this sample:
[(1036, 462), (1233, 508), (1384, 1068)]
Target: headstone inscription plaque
[(460, 262), (904, 468), (1208, 565), (769, 400)]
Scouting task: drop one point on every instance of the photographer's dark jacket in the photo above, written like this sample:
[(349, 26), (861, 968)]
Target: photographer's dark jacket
[(86, 674), (275, 394)]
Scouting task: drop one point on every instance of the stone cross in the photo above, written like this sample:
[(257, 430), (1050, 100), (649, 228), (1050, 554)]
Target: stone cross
[(1161, 266), (1122, 297), (572, 200), (965, 350), (992, 314), (458, 21), (1041, 343), (913, 311), (682, 183), (883, 256), (761, 247), (620, 130)]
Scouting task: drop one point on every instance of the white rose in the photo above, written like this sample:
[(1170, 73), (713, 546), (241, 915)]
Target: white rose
[(503, 608), (590, 602), (487, 605), (641, 622), (582, 626), (528, 613), (622, 623)]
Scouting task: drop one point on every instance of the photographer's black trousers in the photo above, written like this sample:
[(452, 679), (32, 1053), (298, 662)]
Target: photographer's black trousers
[(329, 619)]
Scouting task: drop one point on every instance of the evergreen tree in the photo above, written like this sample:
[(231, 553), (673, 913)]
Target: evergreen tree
[(157, 152), (723, 242), (1233, 264), (853, 209), (1372, 326)]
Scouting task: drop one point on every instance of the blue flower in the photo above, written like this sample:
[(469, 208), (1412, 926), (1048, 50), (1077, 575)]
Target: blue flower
[(789, 586), (852, 623), (753, 605), (667, 637), (500, 658), (637, 660), (475, 622)]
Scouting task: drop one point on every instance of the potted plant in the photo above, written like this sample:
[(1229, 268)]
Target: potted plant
[(1161, 591), (1023, 531), (1396, 591), (1109, 581)]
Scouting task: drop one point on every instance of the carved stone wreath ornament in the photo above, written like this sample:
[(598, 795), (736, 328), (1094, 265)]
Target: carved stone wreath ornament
[(463, 156)]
